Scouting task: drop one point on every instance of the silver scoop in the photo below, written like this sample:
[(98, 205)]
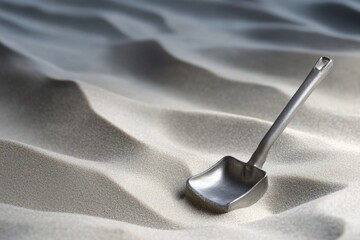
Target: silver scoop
[(232, 184)]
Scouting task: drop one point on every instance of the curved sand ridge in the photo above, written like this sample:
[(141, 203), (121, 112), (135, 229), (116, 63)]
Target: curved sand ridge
[(107, 107)]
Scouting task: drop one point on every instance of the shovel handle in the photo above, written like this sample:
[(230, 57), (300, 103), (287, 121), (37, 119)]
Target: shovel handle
[(316, 75)]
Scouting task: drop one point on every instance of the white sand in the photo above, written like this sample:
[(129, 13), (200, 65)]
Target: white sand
[(107, 107)]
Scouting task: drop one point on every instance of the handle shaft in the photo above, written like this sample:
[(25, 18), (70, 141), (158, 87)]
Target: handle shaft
[(316, 75)]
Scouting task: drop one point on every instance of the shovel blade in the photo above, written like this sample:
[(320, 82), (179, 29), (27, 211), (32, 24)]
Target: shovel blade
[(228, 185)]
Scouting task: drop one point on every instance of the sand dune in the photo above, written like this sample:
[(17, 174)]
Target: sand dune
[(107, 107)]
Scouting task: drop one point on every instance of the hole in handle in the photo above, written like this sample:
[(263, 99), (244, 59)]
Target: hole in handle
[(322, 63)]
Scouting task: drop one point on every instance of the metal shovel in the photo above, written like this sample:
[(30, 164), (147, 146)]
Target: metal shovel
[(231, 183)]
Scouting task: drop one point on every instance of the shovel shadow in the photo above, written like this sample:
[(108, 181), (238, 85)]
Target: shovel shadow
[(288, 192)]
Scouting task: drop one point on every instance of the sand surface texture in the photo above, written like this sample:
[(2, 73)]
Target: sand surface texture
[(107, 107)]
